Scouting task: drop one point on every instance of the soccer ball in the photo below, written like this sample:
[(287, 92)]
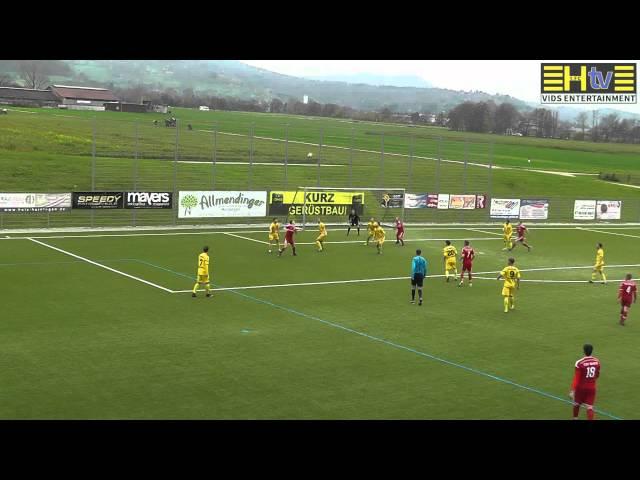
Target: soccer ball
[(529, 160), (309, 155)]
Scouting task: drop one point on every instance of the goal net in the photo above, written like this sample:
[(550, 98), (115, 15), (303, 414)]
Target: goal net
[(334, 205)]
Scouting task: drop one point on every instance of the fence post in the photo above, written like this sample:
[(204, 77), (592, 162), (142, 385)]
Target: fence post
[(409, 175), (135, 173), (464, 175), (320, 155), (351, 155), (215, 156), (251, 133), (175, 172), (438, 166), (489, 193), (286, 155), (381, 180), (93, 167)]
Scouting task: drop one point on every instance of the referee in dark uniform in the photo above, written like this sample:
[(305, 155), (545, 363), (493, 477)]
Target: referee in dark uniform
[(354, 221)]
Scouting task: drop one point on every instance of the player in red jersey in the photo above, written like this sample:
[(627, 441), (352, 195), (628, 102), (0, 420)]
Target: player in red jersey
[(399, 232), (628, 292), (467, 256), (522, 232), (290, 230), (583, 388)]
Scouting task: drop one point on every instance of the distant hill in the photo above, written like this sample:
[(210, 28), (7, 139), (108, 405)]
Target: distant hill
[(377, 80), (231, 78)]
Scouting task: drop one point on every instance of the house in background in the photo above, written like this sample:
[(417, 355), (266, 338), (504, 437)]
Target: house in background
[(82, 98), (27, 97)]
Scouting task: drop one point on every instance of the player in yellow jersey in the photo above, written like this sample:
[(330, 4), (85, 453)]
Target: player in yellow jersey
[(203, 272), (507, 232), (274, 234), (322, 230), (599, 266), (449, 256), (511, 276), (379, 237), (371, 228)]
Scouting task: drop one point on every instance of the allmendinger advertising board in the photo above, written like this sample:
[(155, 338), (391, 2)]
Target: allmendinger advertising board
[(35, 202), (228, 203)]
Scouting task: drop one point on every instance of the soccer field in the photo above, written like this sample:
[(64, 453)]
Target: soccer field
[(102, 325)]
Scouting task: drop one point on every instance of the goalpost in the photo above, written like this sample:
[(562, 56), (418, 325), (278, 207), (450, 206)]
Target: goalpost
[(334, 204)]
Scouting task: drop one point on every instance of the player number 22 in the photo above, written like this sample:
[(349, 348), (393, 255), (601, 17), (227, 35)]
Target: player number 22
[(591, 372)]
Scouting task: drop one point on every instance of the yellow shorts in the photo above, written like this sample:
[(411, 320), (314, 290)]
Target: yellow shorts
[(450, 265), (321, 238), (506, 238), (598, 267), (203, 278), (381, 241), (274, 236), (508, 291), (370, 233)]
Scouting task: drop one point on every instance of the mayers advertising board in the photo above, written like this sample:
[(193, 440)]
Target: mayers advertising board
[(608, 210), (534, 209), (584, 210), (315, 203), (35, 202), (504, 208), (98, 200), (152, 200), (213, 204), (462, 202)]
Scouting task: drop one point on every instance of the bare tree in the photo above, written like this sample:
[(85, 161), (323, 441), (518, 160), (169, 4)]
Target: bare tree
[(5, 80), (582, 121), (33, 74)]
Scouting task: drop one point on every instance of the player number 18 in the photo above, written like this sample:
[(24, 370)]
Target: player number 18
[(591, 372)]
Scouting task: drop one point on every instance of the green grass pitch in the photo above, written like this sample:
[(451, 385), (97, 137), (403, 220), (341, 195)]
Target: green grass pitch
[(83, 341)]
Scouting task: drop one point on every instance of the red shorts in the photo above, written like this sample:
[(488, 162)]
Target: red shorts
[(585, 396), (400, 235), (466, 267), (625, 303), (289, 241), (520, 239)]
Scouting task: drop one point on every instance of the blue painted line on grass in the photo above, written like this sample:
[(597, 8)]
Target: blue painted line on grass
[(393, 344), (18, 264)]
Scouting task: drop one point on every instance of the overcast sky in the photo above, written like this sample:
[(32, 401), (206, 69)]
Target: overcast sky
[(518, 78)]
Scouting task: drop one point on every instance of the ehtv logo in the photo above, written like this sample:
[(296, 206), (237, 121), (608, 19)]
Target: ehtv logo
[(588, 83)]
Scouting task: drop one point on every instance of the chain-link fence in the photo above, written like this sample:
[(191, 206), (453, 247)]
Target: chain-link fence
[(91, 154)]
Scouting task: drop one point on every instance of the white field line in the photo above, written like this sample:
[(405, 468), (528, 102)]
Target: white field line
[(246, 238), (101, 265), (460, 162), (267, 164), (237, 227), (484, 231), (610, 233), (552, 281), (333, 282), (265, 231), (330, 242)]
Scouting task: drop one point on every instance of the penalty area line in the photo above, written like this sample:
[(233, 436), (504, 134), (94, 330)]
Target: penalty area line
[(384, 279), (84, 259), (246, 238)]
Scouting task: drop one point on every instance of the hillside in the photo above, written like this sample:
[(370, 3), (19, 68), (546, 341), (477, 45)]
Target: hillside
[(230, 78)]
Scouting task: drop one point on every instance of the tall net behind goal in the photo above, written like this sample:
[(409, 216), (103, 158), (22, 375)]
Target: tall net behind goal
[(334, 205)]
